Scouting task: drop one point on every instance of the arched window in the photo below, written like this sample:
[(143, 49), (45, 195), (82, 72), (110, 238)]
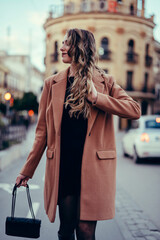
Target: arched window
[(148, 58), (146, 76), (129, 86), (56, 51), (131, 9), (56, 46), (132, 57), (104, 43), (147, 49), (54, 56), (104, 51), (131, 46)]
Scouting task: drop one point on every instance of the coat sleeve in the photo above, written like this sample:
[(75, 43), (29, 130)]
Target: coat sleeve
[(118, 102), (40, 141)]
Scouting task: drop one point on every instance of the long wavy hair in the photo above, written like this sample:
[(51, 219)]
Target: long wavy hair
[(84, 56)]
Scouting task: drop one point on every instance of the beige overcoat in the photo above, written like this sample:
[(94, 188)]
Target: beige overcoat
[(98, 175)]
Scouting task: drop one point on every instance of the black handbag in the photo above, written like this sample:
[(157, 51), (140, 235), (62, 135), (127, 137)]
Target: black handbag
[(22, 227)]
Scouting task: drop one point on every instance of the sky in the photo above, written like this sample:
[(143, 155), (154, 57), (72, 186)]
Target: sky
[(21, 26)]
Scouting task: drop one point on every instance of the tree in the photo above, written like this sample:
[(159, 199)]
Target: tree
[(29, 101)]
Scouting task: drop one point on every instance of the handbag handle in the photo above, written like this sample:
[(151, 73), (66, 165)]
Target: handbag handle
[(14, 201)]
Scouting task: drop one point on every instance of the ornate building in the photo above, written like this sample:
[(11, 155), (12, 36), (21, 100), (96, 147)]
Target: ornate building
[(124, 37), (18, 75)]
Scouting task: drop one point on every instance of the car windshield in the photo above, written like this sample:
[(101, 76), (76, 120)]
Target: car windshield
[(152, 124)]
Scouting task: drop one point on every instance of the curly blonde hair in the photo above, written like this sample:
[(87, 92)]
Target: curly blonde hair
[(84, 56)]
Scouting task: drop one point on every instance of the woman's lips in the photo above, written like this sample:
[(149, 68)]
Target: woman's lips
[(63, 54)]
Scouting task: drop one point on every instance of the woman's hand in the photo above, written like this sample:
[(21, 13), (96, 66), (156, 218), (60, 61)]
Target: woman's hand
[(92, 96), (24, 180)]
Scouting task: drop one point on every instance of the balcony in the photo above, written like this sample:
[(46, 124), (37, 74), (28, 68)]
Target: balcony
[(54, 57), (131, 57), (148, 61), (72, 7), (105, 55)]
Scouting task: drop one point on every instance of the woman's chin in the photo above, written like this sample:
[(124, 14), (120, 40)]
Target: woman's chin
[(65, 61)]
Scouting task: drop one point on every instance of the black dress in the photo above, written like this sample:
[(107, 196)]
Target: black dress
[(73, 133)]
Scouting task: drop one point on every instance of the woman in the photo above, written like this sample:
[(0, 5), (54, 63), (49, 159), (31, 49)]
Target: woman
[(75, 123)]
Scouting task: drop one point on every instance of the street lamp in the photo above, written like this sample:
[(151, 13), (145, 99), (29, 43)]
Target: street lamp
[(7, 97)]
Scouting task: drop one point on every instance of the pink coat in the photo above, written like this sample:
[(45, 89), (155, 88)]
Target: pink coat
[(98, 175)]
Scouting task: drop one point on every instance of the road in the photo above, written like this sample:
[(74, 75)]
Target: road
[(135, 183), (141, 181)]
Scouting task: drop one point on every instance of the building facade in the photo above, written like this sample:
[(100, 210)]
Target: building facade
[(124, 37), (156, 70), (19, 76)]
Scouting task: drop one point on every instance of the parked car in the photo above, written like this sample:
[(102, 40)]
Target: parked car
[(143, 139)]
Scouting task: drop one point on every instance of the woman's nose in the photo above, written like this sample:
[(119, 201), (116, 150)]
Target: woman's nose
[(62, 48)]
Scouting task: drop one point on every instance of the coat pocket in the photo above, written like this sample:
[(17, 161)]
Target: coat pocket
[(108, 154), (50, 153)]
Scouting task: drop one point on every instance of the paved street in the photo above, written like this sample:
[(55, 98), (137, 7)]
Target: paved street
[(137, 200)]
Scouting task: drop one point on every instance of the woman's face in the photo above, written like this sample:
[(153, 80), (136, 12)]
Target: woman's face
[(64, 49)]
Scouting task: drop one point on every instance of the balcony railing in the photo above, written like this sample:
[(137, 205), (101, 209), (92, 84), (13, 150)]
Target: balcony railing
[(131, 57), (148, 61), (60, 9), (106, 55), (54, 57)]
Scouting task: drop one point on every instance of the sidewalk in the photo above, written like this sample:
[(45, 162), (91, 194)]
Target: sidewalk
[(130, 222), (17, 151)]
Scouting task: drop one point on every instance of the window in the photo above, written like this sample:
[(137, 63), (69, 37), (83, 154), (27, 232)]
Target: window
[(104, 51), (158, 94), (56, 50), (131, 9), (131, 46), (132, 57), (102, 5), (54, 56), (135, 124), (147, 49), (145, 82), (5, 81), (129, 81), (148, 58), (144, 107), (152, 124)]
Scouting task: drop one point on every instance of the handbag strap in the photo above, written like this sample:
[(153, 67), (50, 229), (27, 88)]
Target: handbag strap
[(14, 201)]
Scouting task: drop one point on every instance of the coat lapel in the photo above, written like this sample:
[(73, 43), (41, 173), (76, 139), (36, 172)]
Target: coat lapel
[(58, 95)]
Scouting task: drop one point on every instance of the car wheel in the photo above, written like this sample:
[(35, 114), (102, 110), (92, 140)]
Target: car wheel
[(124, 153), (136, 159)]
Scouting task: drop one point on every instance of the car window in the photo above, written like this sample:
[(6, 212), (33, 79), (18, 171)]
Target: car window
[(152, 124)]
